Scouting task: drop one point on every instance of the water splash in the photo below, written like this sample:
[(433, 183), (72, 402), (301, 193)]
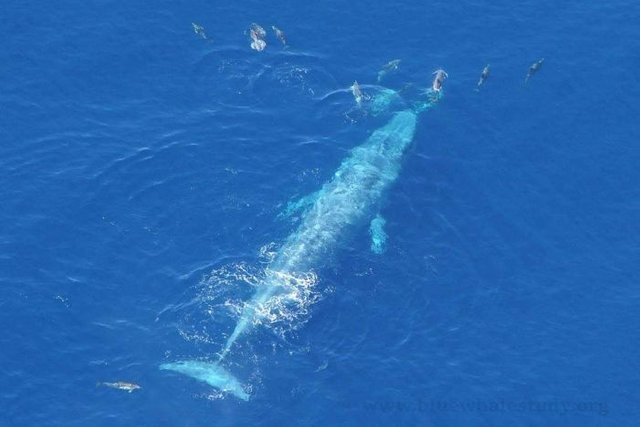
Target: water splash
[(221, 298), (288, 309)]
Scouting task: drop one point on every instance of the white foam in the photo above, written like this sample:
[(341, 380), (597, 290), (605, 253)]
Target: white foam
[(222, 296), (288, 309)]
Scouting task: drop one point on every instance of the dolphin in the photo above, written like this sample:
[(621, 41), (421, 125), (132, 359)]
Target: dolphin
[(534, 68), (280, 35), (257, 35), (347, 200), (257, 30), (199, 30), (438, 81), (484, 76), (357, 93), (388, 68), (121, 385)]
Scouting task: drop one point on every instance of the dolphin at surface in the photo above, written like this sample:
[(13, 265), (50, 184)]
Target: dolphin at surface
[(348, 199), (534, 68)]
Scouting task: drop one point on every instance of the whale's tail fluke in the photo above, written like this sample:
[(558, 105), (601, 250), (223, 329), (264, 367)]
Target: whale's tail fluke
[(210, 373)]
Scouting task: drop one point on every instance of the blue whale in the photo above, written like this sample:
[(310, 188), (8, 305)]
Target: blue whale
[(348, 199)]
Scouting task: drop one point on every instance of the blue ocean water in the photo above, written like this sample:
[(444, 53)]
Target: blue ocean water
[(145, 171)]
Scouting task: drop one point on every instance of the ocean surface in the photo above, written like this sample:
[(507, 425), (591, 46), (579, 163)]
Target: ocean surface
[(146, 174)]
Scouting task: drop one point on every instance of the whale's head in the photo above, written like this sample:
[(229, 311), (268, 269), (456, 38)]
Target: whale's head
[(393, 138), (384, 101)]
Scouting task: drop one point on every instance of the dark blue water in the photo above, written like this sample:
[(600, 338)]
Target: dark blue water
[(143, 171)]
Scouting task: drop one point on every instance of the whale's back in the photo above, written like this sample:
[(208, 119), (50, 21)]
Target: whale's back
[(347, 199)]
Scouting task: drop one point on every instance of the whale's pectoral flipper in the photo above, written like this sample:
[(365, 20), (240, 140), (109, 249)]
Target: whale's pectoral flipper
[(210, 373), (298, 206), (378, 235)]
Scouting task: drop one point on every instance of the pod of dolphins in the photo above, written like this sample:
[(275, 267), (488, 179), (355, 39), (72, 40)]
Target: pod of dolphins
[(258, 42)]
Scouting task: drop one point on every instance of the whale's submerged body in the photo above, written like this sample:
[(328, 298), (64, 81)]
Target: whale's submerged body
[(348, 199)]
